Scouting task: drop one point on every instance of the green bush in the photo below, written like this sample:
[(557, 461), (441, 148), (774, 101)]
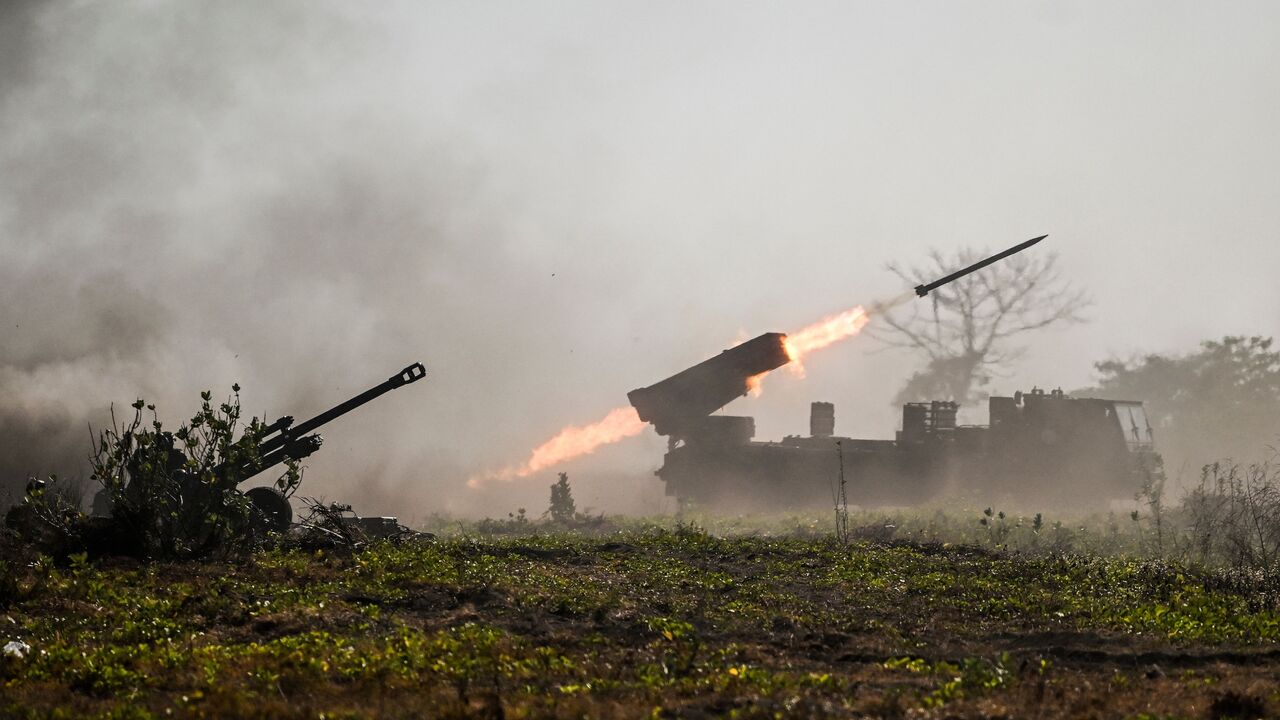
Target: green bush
[(174, 494)]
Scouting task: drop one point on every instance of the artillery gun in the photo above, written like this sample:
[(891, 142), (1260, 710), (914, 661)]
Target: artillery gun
[(278, 442)]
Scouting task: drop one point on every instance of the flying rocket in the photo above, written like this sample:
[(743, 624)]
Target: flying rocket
[(923, 290)]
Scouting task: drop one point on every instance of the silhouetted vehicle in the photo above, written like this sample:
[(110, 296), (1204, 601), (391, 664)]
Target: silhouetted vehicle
[(1038, 447)]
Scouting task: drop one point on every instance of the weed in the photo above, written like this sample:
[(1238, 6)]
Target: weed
[(840, 498), (562, 508), (1234, 515)]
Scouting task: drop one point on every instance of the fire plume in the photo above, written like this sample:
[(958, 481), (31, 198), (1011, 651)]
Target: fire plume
[(823, 333), (575, 441)]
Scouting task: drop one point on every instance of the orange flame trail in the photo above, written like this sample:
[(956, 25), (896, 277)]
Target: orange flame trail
[(573, 442), (623, 422), (823, 333)]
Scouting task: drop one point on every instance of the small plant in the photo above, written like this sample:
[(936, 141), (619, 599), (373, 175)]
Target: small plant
[(841, 501), (562, 508), (49, 516), (1151, 494), (329, 526), (1234, 515), (678, 644), (516, 523), (997, 528)]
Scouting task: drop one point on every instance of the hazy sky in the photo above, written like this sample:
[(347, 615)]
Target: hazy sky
[(550, 204)]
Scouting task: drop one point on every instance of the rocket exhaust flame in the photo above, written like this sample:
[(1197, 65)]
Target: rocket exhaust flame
[(574, 441), (823, 333)]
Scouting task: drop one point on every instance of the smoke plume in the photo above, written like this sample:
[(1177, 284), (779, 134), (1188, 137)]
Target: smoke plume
[(550, 205)]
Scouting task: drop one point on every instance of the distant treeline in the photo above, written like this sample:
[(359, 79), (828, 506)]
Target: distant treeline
[(1221, 401)]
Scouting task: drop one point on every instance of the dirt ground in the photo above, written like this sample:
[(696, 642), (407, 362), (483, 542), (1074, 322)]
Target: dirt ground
[(640, 623)]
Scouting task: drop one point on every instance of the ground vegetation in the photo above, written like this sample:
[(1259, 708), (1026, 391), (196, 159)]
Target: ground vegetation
[(645, 620)]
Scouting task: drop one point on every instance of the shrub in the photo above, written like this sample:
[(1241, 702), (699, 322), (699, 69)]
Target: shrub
[(1233, 515), (173, 494), (562, 508)]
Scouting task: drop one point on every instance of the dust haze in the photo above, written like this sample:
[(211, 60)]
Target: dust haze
[(550, 205)]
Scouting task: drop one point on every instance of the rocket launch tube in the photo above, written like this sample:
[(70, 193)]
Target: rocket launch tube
[(708, 386)]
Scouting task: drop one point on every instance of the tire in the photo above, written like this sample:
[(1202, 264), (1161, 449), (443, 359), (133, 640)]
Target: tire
[(271, 509)]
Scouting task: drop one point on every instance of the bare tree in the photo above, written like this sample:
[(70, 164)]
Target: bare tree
[(967, 330)]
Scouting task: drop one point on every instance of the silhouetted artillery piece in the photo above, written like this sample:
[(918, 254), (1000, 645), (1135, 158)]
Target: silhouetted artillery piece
[(282, 441), (278, 442)]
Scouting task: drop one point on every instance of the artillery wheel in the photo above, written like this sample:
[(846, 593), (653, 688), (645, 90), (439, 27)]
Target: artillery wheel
[(270, 508)]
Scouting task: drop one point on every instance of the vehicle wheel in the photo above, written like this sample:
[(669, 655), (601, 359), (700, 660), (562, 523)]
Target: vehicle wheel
[(102, 504), (270, 508)]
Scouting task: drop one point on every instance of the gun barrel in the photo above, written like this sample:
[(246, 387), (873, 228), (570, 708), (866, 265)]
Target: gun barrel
[(280, 425), (295, 450), (413, 373), (291, 442)]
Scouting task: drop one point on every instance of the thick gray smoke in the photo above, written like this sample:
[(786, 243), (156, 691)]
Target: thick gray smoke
[(195, 196), (163, 233), (550, 205)]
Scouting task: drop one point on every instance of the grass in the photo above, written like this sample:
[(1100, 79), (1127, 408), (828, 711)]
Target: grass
[(641, 621)]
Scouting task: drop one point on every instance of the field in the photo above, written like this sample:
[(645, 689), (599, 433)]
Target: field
[(646, 621)]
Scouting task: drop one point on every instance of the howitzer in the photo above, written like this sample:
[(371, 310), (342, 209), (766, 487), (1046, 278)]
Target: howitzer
[(279, 442), (282, 441)]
